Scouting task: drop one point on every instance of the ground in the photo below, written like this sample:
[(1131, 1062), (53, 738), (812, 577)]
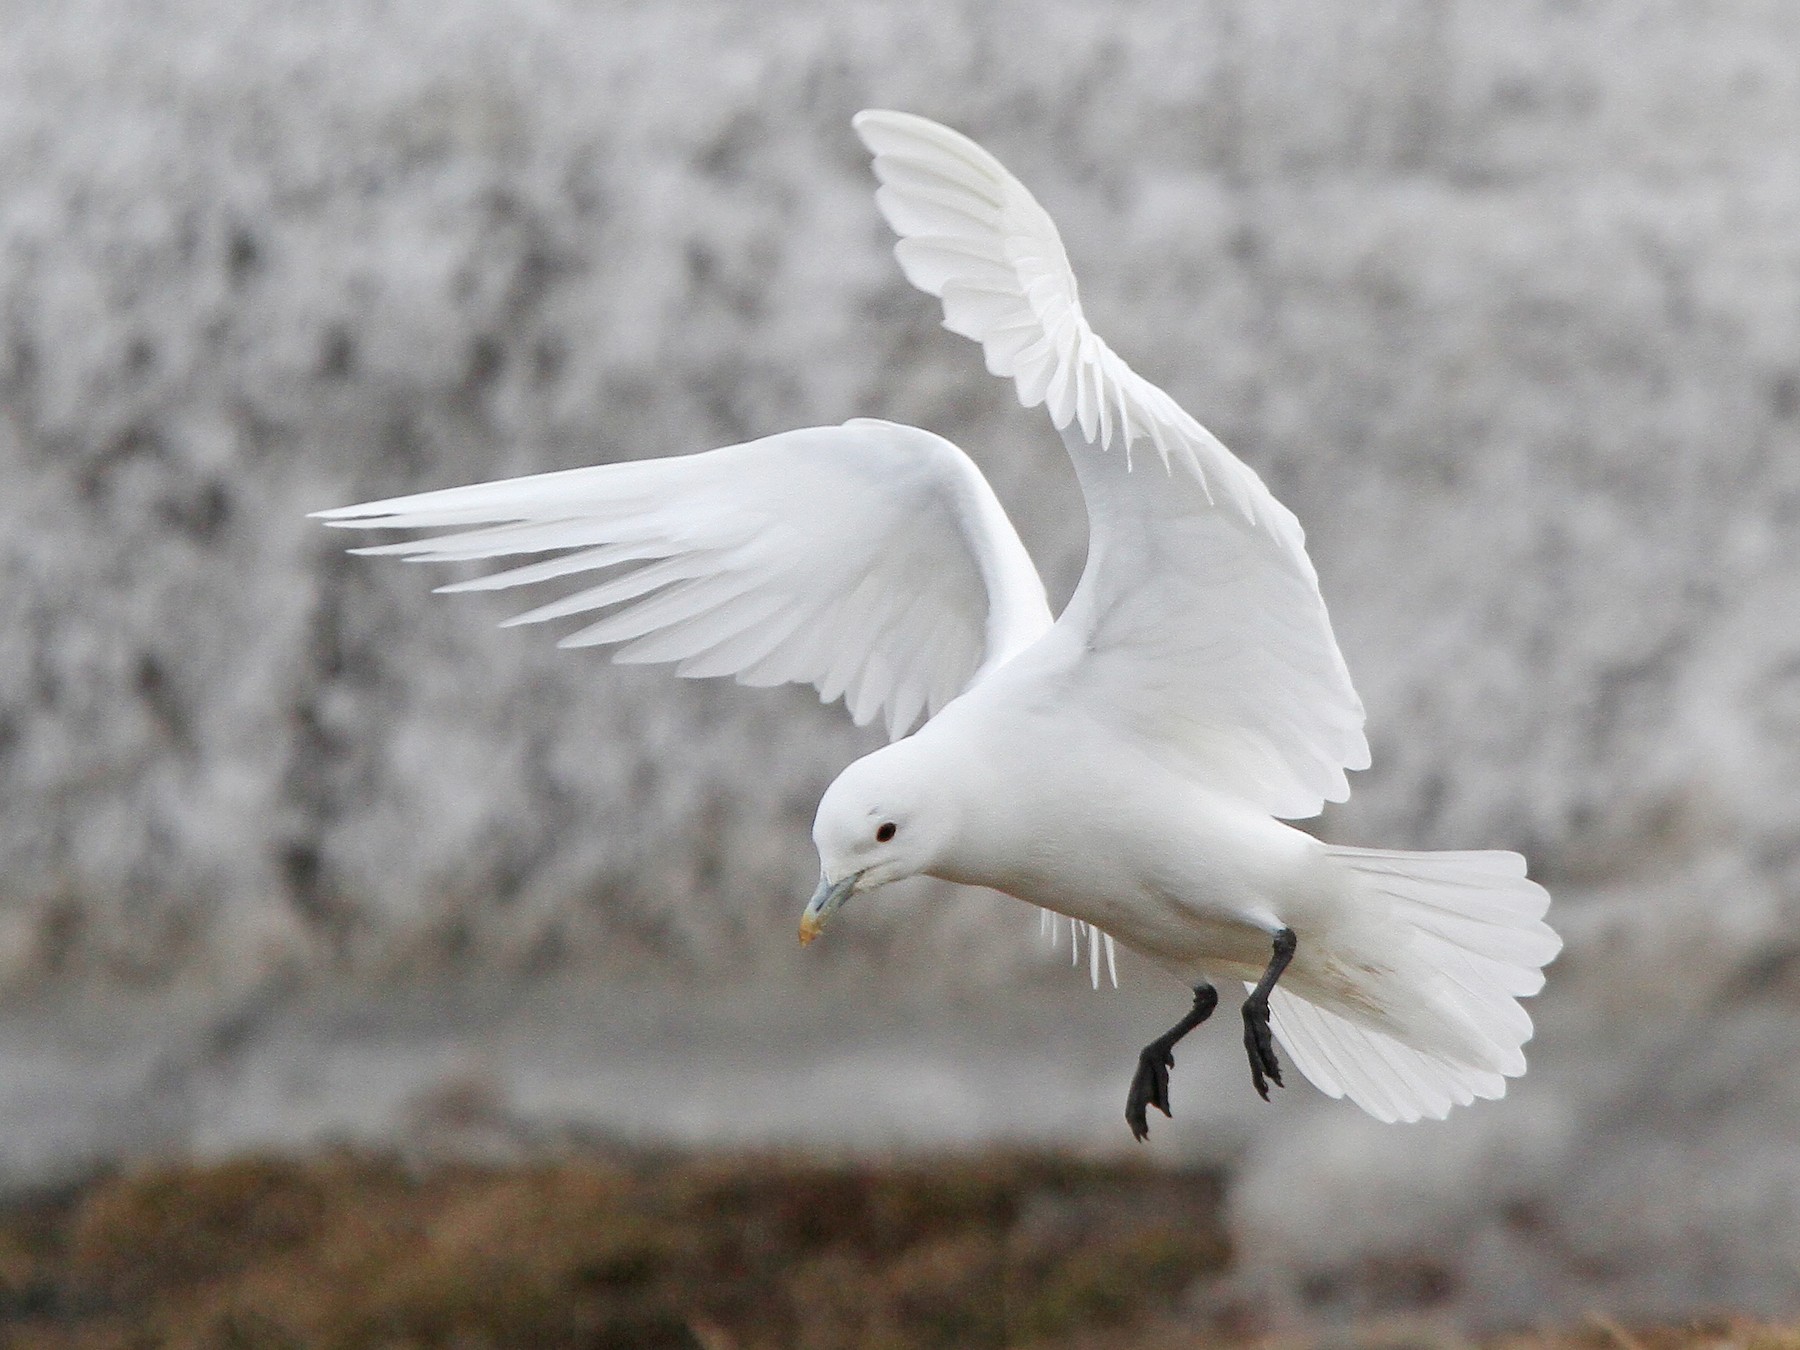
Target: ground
[(629, 1249)]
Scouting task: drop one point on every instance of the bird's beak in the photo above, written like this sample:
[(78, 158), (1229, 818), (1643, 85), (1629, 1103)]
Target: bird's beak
[(826, 901)]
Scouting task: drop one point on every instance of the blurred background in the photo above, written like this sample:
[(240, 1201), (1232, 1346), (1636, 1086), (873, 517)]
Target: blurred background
[(1503, 301)]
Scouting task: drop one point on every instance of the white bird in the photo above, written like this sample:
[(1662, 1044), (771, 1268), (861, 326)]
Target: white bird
[(1128, 765)]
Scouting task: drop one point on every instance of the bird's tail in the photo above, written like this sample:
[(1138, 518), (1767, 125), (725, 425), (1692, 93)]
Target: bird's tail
[(1472, 942)]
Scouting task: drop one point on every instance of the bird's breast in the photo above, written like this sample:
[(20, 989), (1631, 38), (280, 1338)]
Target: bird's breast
[(1187, 884), (1056, 810)]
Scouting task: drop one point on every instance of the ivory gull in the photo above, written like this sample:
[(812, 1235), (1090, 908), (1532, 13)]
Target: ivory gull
[(1128, 764)]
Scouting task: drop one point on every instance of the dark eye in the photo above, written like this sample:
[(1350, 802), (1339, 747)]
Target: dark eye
[(886, 832)]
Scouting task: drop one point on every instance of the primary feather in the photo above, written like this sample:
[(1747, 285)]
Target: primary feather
[(1197, 627)]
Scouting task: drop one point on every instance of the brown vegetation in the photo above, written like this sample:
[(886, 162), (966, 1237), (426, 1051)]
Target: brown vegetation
[(707, 1253), (754, 1252)]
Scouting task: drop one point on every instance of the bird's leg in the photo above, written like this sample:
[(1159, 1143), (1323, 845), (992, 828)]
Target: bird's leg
[(1264, 1067), (1150, 1084)]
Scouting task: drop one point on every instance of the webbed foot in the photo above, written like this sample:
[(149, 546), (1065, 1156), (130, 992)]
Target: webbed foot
[(1149, 1087), (1150, 1084), (1260, 1043)]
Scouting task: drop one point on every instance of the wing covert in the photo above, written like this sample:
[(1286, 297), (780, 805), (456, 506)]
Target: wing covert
[(870, 560), (1197, 625)]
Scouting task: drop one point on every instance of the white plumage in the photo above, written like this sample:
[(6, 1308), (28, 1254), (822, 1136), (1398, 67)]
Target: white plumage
[(1199, 563), (1127, 766), (870, 560)]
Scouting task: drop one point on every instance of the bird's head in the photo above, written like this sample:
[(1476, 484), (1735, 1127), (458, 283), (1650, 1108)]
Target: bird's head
[(877, 823)]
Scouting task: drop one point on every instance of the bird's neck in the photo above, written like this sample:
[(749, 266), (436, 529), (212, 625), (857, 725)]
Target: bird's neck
[(975, 799)]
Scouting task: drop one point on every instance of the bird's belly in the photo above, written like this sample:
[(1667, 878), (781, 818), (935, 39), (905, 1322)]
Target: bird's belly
[(1194, 941), (1196, 881), (1209, 927)]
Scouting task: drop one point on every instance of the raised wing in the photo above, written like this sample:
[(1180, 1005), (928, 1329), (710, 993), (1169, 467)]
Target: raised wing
[(1197, 626), (870, 560)]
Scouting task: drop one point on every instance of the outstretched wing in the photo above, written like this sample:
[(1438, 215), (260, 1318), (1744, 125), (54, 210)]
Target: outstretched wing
[(870, 560), (1197, 626)]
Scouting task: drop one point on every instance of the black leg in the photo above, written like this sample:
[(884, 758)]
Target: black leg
[(1264, 1067), (1150, 1084)]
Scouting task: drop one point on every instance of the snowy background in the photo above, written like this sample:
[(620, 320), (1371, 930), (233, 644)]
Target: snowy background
[(1504, 301)]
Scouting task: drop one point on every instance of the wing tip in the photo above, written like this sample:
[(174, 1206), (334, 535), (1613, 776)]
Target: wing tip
[(871, 122), (891, 117), (348, 517)]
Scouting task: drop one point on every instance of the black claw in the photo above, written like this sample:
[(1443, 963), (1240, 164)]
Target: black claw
[(1149, 1087), (1150, 1084), (1258, 1040), (1256, 1066), (1265, 1068)]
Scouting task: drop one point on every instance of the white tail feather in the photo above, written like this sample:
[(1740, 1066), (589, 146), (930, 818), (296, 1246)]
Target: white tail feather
[(1473, 943)]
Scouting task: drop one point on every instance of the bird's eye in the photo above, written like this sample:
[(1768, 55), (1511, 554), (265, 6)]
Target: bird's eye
[(886, 832)]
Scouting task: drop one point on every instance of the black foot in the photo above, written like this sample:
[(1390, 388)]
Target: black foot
[(1264, 1067), (1149, 1087), (1150, 1084)]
